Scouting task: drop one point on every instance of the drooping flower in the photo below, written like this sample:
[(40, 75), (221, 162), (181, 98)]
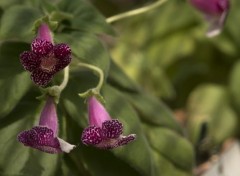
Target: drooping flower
[(45, 59), (216, 12), (103, 131), (44, 136)]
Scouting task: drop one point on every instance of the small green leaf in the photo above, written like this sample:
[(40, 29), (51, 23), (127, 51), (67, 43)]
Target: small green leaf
[(45, 19)]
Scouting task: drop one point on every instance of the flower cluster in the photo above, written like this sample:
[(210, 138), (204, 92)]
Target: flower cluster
[(43, 61), (103, 131), (44, 136)]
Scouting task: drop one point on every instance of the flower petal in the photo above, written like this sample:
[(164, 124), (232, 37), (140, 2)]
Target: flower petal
[(63, 53), (41, 47), (48, 117), (223, 5), (65, 146), (91, 135), (216, 24), (124, 140), (114, 143), (41, 78), (40, 138), (62, 50), (28, 138), (96, 112), (112, 129), (29, 60)]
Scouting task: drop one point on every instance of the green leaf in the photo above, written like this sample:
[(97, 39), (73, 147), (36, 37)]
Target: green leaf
[(171, 146), (209, 104), (102, 162), (224, 126), (9, 58), (17, 22), (120, 80), (166, 167), (86, 17), (153, 111), (87, 48), (13, 89), (235, 84)]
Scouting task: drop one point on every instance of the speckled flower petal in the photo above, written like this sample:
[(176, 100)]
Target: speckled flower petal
[(124, 140), (63, 53), (40, 138), (41, 78), (91, 135), (29, 60), (41, 47), (108, 144), (112, 129), (114, 143), (62, 50), (216, 24)]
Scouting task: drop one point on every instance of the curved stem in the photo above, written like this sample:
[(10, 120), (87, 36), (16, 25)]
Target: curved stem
[(100, 73), (135, 12), (55, 91), (65, 79)]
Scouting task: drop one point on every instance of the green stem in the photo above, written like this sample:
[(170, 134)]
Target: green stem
[(135, 12), (65, 79), (55, 91), (100, 73)]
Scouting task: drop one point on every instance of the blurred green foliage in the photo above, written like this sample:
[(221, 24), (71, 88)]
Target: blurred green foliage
[(167, 53), (160, 61)]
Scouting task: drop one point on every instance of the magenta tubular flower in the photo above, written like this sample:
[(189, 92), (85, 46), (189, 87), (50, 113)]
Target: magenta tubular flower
[(103, 131), (216, 12), (45, 59), (44, 136)]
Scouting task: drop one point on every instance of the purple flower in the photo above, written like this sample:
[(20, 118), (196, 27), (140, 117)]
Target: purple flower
[(45, 59), (103, 131), (44, 136), (215, 11)]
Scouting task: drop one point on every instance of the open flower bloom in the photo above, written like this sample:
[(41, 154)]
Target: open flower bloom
[(103, 131), (216, 12), (45, 59), (44, 136)]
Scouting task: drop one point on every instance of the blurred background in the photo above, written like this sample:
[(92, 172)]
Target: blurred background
[(165, 81), (167, 53)]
